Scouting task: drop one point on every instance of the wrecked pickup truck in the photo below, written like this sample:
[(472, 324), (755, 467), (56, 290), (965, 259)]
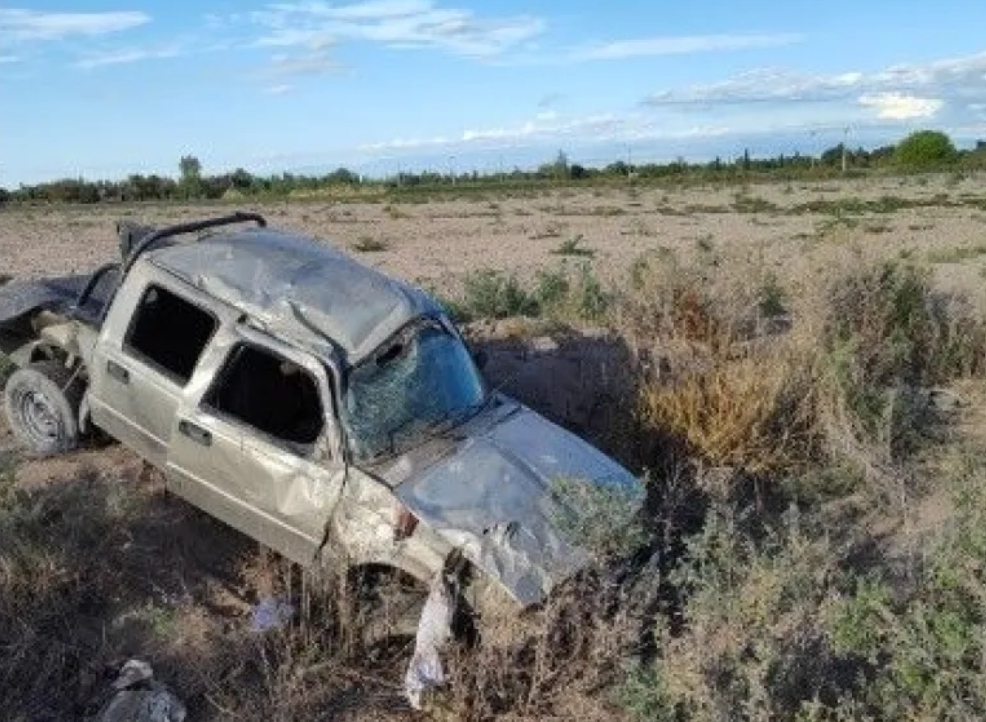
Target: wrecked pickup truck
[(327, 410)]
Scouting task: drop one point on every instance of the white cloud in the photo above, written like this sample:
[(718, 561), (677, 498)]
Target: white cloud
[(21, 25), (279, 89), (315, 63), (684, 44), (398, 24), (897, 106), (369, 10), (953, 78), (122, 56), (606, 127), (763, 85)]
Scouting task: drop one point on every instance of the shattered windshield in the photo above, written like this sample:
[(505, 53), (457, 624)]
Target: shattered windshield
[(421, 381)]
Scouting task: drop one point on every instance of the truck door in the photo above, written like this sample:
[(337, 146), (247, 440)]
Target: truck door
[(144, 358), (259, 449)]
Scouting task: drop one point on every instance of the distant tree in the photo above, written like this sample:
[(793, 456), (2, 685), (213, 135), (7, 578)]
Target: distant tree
[(191, 176), (578, 171), (191, 168), (925, 149), (833, 156), (617, 168), (558, 169), (342, 175), (241, 180)]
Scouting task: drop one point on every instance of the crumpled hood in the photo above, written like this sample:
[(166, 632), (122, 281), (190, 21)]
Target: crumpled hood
[(492, 498)]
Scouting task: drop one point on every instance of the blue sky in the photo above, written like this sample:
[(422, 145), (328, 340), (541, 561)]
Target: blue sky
[(104, 88)]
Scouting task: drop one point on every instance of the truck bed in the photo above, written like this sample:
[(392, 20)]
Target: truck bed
[(21, 300)]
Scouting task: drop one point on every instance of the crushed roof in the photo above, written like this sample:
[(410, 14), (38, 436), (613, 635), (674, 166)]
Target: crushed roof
[(298, 285)]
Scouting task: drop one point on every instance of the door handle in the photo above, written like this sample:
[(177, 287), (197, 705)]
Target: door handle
[(118, 372), (195, 433)]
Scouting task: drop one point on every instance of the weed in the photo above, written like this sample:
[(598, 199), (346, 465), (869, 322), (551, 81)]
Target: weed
[(773, 298), (369, 244), (553, 288), (755, 645), (490, 294), (601, 520), (924, 658), (574, 247), (395, 212), (956, 255), (743, 203)]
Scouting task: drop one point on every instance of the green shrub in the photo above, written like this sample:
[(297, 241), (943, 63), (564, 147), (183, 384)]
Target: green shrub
[(772, 298), (755, 644), (926, 653), (574, 247), (553, 288), (491, 294), (925, 149), (601, 520), (887, 336), (368, 244)]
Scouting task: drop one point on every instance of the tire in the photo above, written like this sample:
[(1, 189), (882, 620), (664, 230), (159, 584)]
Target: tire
[(388, 604), (42, 403)]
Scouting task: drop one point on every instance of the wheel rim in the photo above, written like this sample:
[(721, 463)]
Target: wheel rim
[(39, 418)]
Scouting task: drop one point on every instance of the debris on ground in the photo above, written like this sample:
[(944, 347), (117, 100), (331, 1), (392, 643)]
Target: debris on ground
[(271, 613), (425, 673), (138, 697)]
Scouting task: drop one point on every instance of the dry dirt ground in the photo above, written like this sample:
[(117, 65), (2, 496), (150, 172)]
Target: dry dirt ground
[(436, 242), (189, 583)]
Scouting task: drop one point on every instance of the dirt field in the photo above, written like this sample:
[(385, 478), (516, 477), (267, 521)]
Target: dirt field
[(167, 584), (787, 226)]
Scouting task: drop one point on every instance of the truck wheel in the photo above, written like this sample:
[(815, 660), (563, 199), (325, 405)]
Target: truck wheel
[(42, 402)]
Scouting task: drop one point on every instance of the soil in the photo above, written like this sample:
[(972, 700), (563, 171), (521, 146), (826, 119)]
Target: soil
[(435, 243), (207, 586)]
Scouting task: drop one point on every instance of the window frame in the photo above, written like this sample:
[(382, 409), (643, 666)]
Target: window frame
[(298, 449), (132, 351)]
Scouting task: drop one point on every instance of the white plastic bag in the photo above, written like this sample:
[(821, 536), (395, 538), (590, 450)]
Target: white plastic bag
[(425, 671)]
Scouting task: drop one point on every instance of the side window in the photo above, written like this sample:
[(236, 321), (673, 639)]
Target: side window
[(169, 332), (270, 394)]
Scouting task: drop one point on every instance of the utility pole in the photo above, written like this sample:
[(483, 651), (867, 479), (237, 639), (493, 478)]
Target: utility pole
[(845, 148), (629, 164)]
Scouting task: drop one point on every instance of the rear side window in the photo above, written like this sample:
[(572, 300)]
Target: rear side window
[(169, 332), (271, 394)]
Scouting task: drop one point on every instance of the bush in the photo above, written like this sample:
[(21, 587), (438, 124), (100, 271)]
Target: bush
[(926, 654), (925, 149), (755, 416), (755, 643), (886, 338), (491, 294)]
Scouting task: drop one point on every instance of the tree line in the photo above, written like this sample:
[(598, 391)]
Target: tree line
[(922, 150)]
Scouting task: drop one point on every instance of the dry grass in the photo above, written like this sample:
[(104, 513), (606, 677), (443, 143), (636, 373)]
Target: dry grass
[(753, 414), (794, 443)]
